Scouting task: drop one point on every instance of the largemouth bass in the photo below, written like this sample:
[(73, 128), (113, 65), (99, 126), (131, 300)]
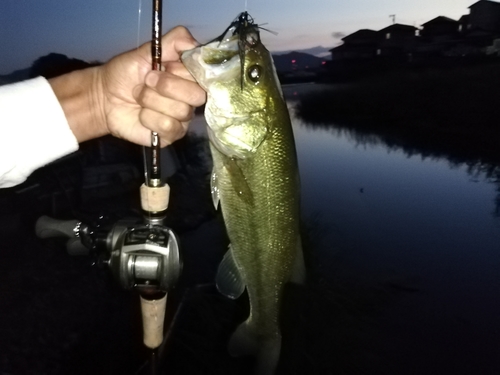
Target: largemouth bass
[(255, 180)]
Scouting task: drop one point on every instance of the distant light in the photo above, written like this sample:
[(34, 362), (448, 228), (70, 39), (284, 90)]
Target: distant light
[(323, 63), (294, 61)]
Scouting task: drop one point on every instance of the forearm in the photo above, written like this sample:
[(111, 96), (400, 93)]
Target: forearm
[(33, 130), (81, 98)]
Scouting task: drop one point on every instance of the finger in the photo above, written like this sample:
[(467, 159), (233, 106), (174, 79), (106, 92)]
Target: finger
[(139, 135), (176, 88), (168, 128), (177, 68), (149, 98), (174, 42)]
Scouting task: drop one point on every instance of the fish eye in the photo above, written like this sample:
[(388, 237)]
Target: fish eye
[(252, 39), (254, 73)]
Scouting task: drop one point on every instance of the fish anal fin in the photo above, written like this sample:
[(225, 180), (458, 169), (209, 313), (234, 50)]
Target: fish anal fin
[(229, 281)]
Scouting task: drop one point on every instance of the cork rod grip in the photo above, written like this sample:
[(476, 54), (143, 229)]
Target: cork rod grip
[(154, 199), (153, 318)]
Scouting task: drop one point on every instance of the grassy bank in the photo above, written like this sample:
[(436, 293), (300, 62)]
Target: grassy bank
[(454, 110)]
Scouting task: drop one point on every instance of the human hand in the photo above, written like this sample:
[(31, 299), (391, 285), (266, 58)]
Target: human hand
[(136, 100)]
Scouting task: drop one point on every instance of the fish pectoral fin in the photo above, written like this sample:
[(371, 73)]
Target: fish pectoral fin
[(214, 188), (298, 275), (229, 281), (238, 180)]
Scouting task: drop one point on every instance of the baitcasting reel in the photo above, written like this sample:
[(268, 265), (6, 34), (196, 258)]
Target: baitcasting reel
[(141, 256)]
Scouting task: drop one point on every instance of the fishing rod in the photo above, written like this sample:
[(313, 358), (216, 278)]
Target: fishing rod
[(156, 65), (143, 255), (154, 201)]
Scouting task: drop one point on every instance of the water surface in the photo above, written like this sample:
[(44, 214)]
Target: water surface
[(423, 226)]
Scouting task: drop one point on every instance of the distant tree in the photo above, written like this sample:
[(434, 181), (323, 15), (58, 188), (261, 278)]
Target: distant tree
[(56, 64)]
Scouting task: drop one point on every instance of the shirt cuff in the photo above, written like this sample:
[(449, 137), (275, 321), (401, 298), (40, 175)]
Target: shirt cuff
[(33, 130)]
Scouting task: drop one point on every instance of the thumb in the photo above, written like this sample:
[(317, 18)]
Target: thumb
[(176, 41)]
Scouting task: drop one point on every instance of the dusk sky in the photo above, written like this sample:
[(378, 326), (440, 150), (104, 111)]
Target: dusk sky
[(98, 29)]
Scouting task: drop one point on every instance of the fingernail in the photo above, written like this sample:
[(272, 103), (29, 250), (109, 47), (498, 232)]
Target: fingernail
[(152, 78)]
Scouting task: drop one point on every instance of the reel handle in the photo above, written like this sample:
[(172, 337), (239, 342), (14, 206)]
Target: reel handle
[(47, 227)]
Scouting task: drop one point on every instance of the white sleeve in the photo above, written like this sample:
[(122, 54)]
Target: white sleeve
[(33, 130)]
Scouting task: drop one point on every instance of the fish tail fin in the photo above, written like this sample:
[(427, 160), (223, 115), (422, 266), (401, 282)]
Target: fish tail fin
[(245, 342), (268, 357)]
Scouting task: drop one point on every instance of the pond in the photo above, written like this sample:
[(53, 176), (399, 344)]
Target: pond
[(422, 226)]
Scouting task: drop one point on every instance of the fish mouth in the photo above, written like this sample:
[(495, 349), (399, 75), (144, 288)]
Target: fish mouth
[(241, 36)]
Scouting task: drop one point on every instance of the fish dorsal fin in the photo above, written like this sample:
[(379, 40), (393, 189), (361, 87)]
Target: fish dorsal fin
[(214, 188), (229, 281)]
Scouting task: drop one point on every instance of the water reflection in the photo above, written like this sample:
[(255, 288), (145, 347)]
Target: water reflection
[(424, 217), (478, 162)]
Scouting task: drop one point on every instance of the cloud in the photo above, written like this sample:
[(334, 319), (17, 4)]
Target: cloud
[(338, 35)]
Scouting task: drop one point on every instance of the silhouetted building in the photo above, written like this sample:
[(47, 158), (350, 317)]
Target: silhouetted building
[(440, 29), (397, 41), (362, 44), (439, 36), (485, 15), (464, 24), (441, 41)]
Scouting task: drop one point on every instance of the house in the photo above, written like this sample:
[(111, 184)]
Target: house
[(480, 28), (438, 36), (398, 34), (485, 15), (397, 41), (471, 35), (361, 37), (367, 52), (360, 45), (440, 29), (441, 40), (464, 24)]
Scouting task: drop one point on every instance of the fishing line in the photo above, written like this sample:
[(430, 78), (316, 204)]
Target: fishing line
[(144, 156), (139, 12), (144, 148)]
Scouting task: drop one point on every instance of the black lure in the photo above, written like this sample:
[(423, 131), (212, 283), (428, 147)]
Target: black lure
[(242, 24), (248, 35)]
